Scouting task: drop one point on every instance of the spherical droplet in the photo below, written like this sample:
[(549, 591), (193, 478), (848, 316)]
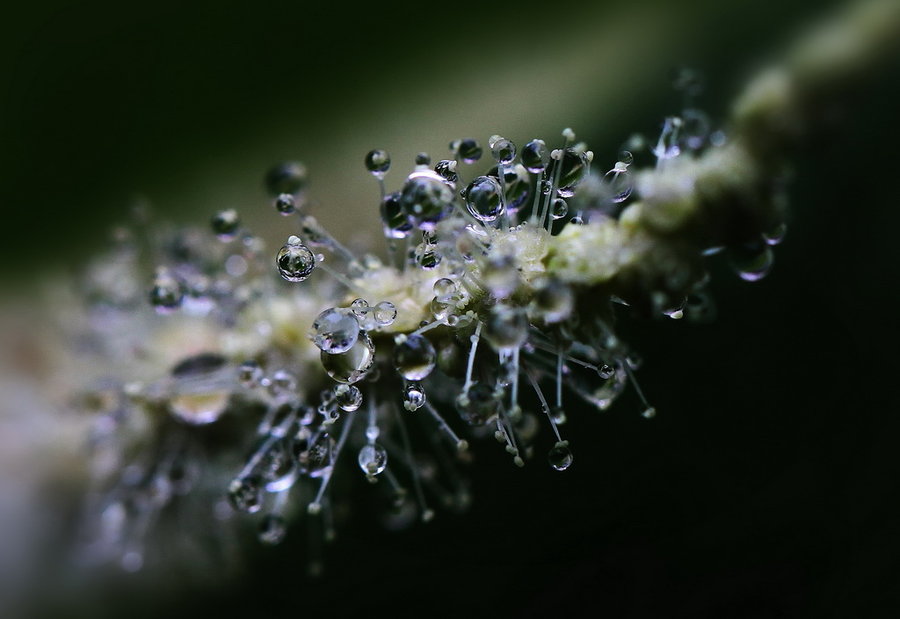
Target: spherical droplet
[(378, 162), (413, 396), (272, 529), (506, 327), (285, 204), (385, 313), (353, 365), (468, 149), (288, 177), (619, 184), (559, 208), (535, 156), (348, 397), (396, 221), (502, 149), (426, 199), (573, 168), (335, 330), (245, 494), (444, 288), (484, 198), (372, 459), (500, 274), (414, 357), (295, 261), (423, 159), (249, 374), (167, 293), (225, 224), (553, 300), (479, 405), (752, 263), (560, 456)]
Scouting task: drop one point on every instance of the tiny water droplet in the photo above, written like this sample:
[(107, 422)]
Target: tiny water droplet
[(372, 459), (560, 456), (378, 162)]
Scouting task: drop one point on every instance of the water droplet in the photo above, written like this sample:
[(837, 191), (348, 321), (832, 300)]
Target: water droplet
[(446, 169), (318, 457), (649, 412), (559, 208), (272, 529), (288, 177), (396, 221), (517, 184), (467, 149), (413, 396), (372, 459), (694, 129), (225, 224), (605, 371), (423, 159), (502, 149), (506, 327), (500, 274), (479, 405), (776, 235), (573, 168), (752, 263), (249, 374), (484, 198), (426, 199), (558, 415), (348, 397), (618, 184), (414, 356), (385, 313), (285, 204), (535, 156), (295, 261), (552, 301), (245, 494), (353, 365), (626, 158), (335, 330), (378, 162), (282, 383), (167, 293), (560, 457)]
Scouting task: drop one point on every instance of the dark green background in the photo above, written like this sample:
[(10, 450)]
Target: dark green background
[(766, 486)]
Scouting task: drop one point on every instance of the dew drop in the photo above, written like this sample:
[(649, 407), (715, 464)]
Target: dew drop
[(752, 263), (414, 357), (372, 459), (502, 150), (413, 396), (295, 261), (167, 293), (353, 365), (288, 177), (385, 313), (423, 159), (426, 199), (378, 162), (396, 221), (348, 397), (553, 300), (573, 168), (318, 457), (468, 149), (225, 224), (506, 327), (245, 494), (479, 405), (484, 198), (559, 208), (618, 183), (335, 331), (285, 204), (560, 456), (249, 374), (272, 529), (535, 156)]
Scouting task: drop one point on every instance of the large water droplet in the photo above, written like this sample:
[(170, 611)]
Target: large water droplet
[(503, 150), (335, 330), (288, 177), (372, 459), (295, 261), (573, 167), (353, 365), (426, 199), (484, 198), (535, 156), (225, 224), (560, 456), (414, 357), (468, 150), (348, 397)]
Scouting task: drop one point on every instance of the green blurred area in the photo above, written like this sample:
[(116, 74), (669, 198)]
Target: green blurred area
[(186, 105)]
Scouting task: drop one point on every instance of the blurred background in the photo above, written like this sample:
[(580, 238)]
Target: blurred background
[(766, 486)]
